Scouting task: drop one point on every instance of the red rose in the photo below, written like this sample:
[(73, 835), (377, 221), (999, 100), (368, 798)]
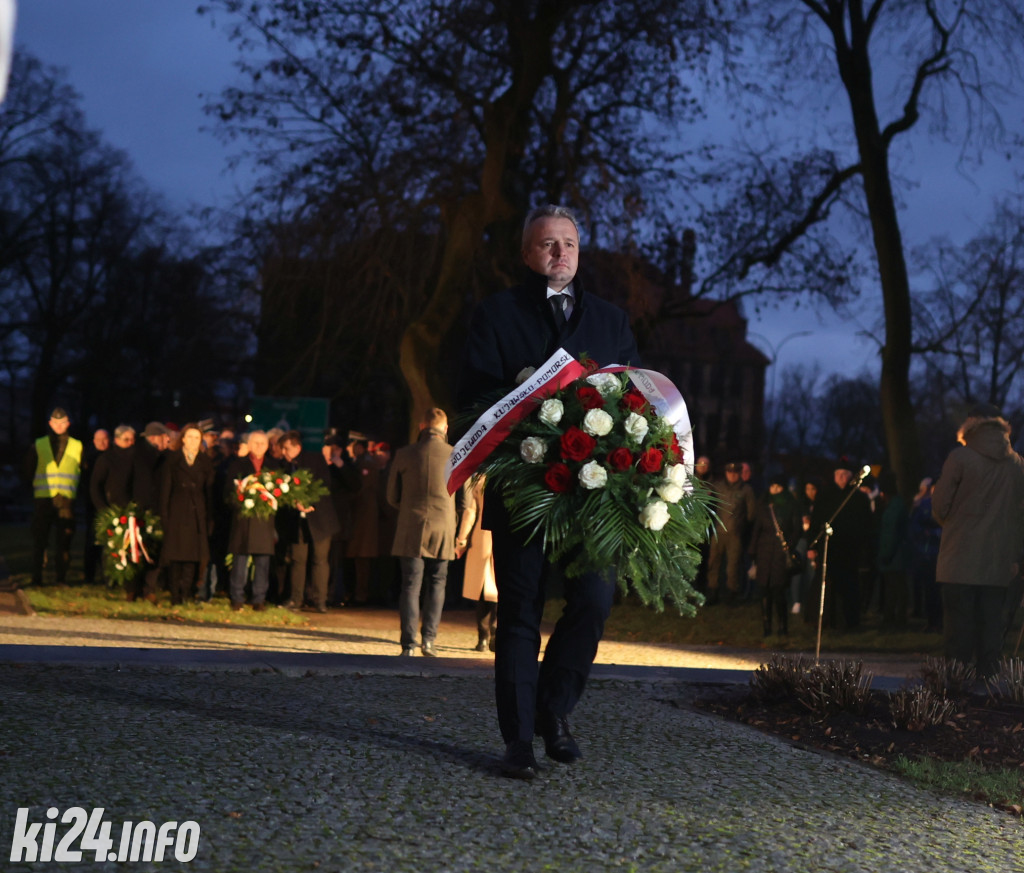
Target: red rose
[(577, 445), (558, 478), (621, 459), (279, 481), (295, 479), (264, 495), (241, 497), (651, 460), (634, 401), (675, 450), (590, 397), (277, 492), (110, 533), (590, 365), (124, 519)]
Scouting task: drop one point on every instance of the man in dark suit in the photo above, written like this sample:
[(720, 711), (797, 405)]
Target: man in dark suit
[(308, 532), (515, 330)]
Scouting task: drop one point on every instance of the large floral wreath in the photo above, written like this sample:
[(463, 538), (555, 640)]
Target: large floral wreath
[(594, 469), (130, 541)]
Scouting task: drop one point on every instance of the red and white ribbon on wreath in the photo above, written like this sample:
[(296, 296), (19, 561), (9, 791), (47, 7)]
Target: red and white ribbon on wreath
[(561, 369), (132, 543), (243, 486)]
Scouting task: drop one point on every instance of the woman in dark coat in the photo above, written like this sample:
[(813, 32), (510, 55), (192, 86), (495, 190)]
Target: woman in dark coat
[(186, 487), (249, 536), (773, 575)]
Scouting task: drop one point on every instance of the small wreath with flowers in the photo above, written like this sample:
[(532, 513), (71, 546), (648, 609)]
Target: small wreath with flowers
[(261, 495), (130, 540), (596, 472)]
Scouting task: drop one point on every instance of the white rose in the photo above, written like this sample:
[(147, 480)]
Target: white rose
[(606, 383), (676, 473), (118, 529), (249, 503), (593, 475), (551, 411), (525, 374), (597, 422), (636, 426), (532, 450), (284, 487), (654, 515), (669, 492)]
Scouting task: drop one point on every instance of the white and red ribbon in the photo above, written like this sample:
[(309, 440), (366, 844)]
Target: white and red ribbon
[(253, 481), (132, 544), (559, 370)]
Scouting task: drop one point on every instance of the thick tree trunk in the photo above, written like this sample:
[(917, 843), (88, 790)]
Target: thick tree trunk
[(897, 412)]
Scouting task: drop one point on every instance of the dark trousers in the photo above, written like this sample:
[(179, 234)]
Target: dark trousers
[(46, 517), (260, 578), (974, 622), (92, 554), (182, 578), (729, 546), (319, 567), (842, 596), (521, 687), (413, 571)]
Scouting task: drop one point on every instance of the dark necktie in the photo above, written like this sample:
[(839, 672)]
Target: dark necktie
[(558, 308)]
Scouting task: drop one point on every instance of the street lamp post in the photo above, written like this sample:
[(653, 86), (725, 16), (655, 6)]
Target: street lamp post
[(775, 349)]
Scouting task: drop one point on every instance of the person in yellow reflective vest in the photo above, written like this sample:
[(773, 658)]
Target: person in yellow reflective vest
[(55, 462)]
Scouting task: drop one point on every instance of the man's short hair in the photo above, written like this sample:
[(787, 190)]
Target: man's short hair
[(435, 418), (548, 211), (122, 429), (292, 436)]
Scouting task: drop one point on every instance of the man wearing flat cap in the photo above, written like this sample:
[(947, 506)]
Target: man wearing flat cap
[(54, 464), (735, 511), (979, 501)]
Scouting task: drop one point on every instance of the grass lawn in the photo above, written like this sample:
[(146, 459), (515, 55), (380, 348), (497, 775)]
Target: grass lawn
[(734, 627)]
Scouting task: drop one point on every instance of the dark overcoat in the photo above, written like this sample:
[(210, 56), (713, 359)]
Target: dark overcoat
[(515, 329), (249, 536), (186, 495), (320, 524)]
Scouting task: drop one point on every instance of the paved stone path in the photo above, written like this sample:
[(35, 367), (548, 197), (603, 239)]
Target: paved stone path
[(316, 748), (377, 772)]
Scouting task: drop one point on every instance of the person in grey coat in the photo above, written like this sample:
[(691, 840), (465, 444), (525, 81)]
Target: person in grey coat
[(425, 534), (979, 500)]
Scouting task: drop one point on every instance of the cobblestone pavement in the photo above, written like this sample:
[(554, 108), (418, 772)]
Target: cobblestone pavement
[(366, 771)]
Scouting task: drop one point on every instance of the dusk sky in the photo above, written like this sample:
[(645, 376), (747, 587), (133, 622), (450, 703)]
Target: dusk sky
[(141, 68)]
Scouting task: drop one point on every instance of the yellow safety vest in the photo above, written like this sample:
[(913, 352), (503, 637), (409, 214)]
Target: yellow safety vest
[(52, 478)]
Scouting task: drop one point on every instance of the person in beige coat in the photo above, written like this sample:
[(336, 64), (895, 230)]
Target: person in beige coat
[(979, 501), (425, 532), (478, 582)]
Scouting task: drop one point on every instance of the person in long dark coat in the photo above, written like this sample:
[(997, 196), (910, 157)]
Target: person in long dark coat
[(773, 574), (250, 537), (308, 532), (186, 494)]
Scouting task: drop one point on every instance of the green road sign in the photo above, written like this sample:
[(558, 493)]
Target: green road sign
[(307, 415)]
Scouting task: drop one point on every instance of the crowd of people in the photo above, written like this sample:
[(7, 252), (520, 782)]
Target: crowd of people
[(336, 552), (881, 552)]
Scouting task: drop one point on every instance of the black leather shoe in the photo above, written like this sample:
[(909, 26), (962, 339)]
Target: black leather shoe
[(558, 739), (518, 762)]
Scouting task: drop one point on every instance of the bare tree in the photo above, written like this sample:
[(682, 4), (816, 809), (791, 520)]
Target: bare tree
[(896, 63), (449, 119), (970, 325)]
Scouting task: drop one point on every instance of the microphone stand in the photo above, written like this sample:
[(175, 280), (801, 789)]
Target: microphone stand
[(827, 532)]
